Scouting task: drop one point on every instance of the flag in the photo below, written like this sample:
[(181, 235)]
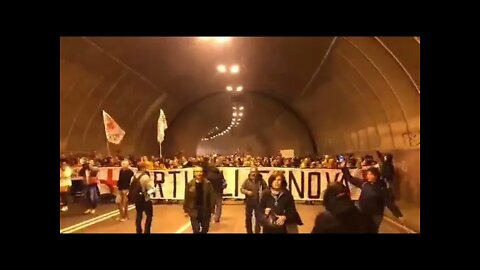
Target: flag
[(162, 125), (113, 131)]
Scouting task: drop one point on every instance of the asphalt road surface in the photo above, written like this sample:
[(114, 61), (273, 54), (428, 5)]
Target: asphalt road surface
[(169, 218)]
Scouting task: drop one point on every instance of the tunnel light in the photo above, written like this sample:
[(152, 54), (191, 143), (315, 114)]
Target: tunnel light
[(221, 68), (239, 88), (241, 108), (216, 128), (234, 69), (241, 114), (222, 39), (229, 88), (234, 108), (234, 114)]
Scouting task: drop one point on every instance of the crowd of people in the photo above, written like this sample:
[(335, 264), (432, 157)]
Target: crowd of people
[(270, 202), (236, 160)]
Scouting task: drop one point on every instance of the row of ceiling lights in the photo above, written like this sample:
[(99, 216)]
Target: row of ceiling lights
[(237, 112)]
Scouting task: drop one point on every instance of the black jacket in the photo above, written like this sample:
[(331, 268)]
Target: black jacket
[(216, 178), (342, 216), (124, 179), (284, 206), (374, 196), (189, 206), (257, 186), (387, 169)]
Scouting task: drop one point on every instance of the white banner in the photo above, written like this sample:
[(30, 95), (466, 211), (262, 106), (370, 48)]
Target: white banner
[(305, 184)]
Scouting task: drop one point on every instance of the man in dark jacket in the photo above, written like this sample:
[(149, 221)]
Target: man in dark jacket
[(199, 202), (123, 185), (387, 169), (252, 188), (374, 196), (341, 215), (218, 182)]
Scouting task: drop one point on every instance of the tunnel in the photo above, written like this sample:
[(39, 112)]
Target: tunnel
[(315, 95)]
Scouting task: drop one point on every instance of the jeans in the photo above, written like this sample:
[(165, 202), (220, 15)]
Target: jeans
[(249, 210), (92, 196), (200, 223), (218, 206), (146, 207), (64, 197)]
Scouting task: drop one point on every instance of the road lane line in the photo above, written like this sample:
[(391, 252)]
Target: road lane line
[(183, 228), (391, 221), (92, 221)]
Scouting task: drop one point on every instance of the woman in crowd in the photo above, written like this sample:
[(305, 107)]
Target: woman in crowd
[(65, 184), (277, 207), (374, 196), (89, 174)]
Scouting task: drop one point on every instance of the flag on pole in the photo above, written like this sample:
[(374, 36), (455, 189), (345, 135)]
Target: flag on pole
[(162, 125), (113, 131)]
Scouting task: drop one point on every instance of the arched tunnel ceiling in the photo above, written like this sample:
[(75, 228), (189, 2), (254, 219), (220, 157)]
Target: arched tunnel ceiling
[(342, 93)]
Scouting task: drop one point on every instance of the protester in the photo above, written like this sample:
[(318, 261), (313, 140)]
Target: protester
[(341, 215), (199, 202), (123, 185), (277, 207), (374, 196), (89, 173), (65, 184), (253, 187), (139, 193)]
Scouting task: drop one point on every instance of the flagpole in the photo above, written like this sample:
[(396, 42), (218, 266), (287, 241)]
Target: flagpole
[(108, 149), (160, 146)]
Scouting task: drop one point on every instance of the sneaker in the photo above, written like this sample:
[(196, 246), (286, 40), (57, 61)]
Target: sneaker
[(123, 219), (88, 211), (92, 212), (64, 209)]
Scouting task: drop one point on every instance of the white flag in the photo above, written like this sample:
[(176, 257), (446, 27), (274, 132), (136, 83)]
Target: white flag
[(113, 131), (162, 125)]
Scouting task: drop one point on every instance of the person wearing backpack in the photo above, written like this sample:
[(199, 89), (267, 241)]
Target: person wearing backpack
[(139, 194)]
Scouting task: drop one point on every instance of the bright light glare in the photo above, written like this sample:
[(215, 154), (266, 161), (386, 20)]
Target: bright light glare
[(241, 108), (234, 69), (229, 88), (222, 39), (221, 68), (234, 108), (241, 114), (239, 88), (216, 39), (234, 114)]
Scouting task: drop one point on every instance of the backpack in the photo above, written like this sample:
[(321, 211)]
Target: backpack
[(135, 193)]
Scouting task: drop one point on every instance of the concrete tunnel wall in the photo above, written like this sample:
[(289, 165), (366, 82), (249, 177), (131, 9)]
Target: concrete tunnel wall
[(365, 97)]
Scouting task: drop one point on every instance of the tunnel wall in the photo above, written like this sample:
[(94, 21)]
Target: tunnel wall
[(367, 98)]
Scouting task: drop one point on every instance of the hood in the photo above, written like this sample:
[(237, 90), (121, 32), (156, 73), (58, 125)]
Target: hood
[(337, 199)]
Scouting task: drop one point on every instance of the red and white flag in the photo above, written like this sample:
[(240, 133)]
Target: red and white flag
[(113, 131)]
